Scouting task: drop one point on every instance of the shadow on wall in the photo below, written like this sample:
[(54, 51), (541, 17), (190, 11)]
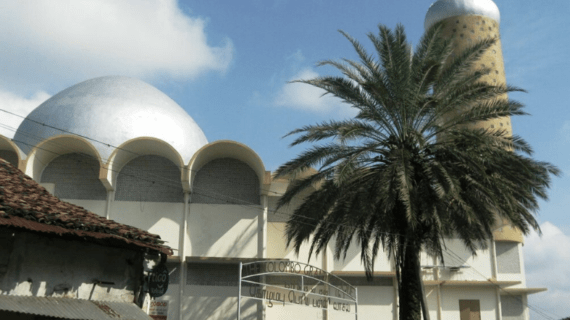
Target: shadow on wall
[(249, 236), (222, 308), (223, 230)]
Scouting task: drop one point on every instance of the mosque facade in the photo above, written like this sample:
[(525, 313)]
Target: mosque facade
[(124, 150)]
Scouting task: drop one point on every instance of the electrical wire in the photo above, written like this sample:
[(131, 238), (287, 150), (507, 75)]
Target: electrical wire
[(223, 197)]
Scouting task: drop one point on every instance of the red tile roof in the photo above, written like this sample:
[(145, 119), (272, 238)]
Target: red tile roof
[(26, 204)]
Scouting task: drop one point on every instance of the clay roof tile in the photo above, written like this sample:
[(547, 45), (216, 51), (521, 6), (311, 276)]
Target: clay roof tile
[(23, 198)]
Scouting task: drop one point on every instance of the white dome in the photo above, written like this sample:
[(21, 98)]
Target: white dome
[(443, 9), (112, 110)]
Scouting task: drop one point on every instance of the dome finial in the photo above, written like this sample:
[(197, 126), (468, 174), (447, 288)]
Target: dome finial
[(443, 9)]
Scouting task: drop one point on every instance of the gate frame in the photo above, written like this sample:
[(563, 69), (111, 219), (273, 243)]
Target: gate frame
[(303, 276)]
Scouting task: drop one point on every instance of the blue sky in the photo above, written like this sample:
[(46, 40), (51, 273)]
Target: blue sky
[(228, 63)]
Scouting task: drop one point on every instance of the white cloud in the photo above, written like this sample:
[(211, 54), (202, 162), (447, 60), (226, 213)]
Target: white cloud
[(547, 264), (76, 40), (20, 107), (306, 97)]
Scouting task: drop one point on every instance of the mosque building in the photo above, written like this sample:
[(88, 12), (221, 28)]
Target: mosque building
[(122, 149)]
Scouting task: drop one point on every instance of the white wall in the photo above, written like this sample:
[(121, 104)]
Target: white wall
[(217, 230), (213, 302), (480, 266), (277, 246), (162, 218), (95, 206), (353, 261), (451, 296), (375, 302)]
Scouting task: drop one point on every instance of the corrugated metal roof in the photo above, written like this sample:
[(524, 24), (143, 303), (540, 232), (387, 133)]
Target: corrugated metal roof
[(26, 204), (66, 308)]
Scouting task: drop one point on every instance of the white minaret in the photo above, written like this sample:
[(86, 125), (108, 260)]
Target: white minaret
[(466, 22)]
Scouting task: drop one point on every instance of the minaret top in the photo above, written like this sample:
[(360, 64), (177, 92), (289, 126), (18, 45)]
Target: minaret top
[(443, 9)]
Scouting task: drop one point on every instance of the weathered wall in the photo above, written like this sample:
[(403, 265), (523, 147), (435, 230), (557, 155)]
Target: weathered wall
[(48, 266)]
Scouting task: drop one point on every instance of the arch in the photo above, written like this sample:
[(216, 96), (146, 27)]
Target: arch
[(74, 176), (143, 146), (10, 152), (229, 149), (149, 178), (232, 172), (46, 151)]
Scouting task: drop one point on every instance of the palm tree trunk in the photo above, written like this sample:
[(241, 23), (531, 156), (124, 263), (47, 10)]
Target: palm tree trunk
[(410, 291)]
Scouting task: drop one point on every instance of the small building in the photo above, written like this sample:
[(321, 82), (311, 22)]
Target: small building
[(58, 260)]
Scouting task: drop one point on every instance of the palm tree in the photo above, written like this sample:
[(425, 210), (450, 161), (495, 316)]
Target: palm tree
[(410, 168)]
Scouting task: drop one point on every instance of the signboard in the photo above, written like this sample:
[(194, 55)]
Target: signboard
[(158, 310), (158, 281), (287, 283)]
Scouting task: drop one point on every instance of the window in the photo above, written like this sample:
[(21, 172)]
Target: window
[(508, 260), (469, 310)]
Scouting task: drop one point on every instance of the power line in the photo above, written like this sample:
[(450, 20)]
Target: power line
[(219, 196)]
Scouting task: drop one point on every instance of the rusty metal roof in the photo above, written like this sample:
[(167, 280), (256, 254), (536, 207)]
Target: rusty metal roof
[(25, 204), (66, 308)]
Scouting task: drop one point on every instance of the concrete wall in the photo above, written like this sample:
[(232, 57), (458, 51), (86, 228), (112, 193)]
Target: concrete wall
[(162, 218), (277, 247), (374, 301), (431, 295), (217, 230), (451, 296), (479, 267), (213, 302), (95, 206), (48, 266), (353, 262)]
